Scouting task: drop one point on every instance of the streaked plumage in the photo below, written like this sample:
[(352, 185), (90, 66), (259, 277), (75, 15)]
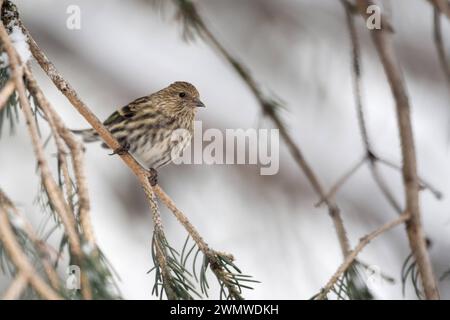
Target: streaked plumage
[(146, 124)]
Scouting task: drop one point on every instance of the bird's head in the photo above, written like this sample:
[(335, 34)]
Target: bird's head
[(180, 97)]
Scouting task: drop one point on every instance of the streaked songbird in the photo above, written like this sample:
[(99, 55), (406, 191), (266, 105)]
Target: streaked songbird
[(155, 129)]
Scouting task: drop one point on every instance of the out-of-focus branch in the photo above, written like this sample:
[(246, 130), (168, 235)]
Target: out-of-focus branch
[(371, 158), (363, 242), (424, 184), (53, 190), (61, 132), (343, 179), (6, 92), (443, 6), (16, 288), (440, 47), (60, 146), (382, 40), (202, 245), (42, 248), (193, 20), (182, 219), (20, 260)]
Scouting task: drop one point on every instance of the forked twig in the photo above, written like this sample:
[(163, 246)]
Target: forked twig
[(363, 242)]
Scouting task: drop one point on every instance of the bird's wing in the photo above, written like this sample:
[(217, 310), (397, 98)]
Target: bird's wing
[(128, 111)]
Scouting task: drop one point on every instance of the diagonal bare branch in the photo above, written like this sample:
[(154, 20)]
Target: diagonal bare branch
[(17, 286), (363, 242), (443, 6), (193, 20)]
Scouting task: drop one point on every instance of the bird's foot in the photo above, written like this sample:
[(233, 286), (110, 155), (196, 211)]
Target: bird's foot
[(121, 150), (153, 177)]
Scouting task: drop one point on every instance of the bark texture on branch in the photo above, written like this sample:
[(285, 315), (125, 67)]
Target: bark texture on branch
[(383, 42)]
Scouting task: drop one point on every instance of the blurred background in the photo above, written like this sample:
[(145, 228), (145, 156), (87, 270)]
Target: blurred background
[(299, 50)]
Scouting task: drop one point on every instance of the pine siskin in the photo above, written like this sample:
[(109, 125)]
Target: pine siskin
[(144, 127)]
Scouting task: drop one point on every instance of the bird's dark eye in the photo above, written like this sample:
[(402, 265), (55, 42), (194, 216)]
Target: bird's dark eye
[(182, 94)]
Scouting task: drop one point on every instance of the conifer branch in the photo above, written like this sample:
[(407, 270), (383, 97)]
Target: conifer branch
[(212, 256), (162, 257), (62, 134), (42, 248), (342, 180), (53, 191), (92, 261), (20, 260), (81, 107)]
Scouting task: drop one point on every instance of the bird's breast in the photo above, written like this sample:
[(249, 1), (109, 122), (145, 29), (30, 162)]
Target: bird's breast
[(156, 149)]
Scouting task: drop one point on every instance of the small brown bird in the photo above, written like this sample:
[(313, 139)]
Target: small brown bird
[(155, 129)]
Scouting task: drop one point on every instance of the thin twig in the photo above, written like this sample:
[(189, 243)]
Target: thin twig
[(443, 6), (370, 156), (160, 252), (182, 219), (372, 159), (342, 180), (356, 64), (422, 182), (384, 187), (363, 242), (202, 245), (357, 85)]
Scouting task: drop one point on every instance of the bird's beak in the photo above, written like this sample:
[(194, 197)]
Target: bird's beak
[(199, 104)]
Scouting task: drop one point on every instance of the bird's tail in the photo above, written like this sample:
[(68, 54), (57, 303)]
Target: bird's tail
[(88, 135)]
